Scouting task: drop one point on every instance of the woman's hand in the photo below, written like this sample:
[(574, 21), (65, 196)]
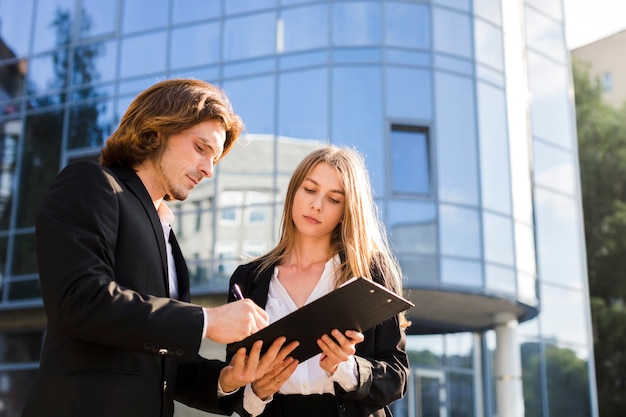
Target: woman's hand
[(338, 350), (270, 383), (244, 369)]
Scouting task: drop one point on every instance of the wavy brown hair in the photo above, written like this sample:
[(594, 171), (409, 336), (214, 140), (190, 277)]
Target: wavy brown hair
[(166, 108), (360, 238)]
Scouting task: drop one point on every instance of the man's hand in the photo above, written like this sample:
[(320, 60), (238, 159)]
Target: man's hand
[(244, 369), (234, 321)]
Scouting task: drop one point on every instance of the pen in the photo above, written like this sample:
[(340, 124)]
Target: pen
[(237, 292)]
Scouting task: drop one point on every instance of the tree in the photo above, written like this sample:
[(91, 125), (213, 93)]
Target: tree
[(602, 152)]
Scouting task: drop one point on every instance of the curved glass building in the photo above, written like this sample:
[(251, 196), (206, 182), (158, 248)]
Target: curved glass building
[(463, 109)]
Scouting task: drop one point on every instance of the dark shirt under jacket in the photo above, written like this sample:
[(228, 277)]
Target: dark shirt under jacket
[(381, 359), (116, 344)]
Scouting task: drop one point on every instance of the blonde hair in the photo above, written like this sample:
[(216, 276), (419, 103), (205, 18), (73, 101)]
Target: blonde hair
[(360, 238)]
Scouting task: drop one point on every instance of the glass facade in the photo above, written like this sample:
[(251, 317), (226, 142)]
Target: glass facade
[(477, 184)]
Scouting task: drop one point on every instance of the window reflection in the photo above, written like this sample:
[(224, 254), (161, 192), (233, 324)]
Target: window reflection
[(456, 140), (553, 8), (15, 387), (527, 288), (52, 26), (407, 25), (357, 91), (4, 241), (99, 16), (551, 112), (249, 36), (410, 165), (195, 45), (189, 10), (500, 279), (412, 227), (545, 35), (356, 24), (253, 99), (449, 63), (303, 28), (461, 394), (498, 238), (494, 149), (28, 289), (140, 15), (563, 315), (42, 77), (140, 56), (9, 138), (40, 163), (554, 168), (460, 231), (531, 379), (568, 382), (20, 347), (24, 261), (461, 272), (489, 45), (452, 33), (16, 15), (249, 67), (306, 119), (489, 9), (525, 257), (459, 349), (409, 93), (90, 125), (94, 62), (425, 350), (559, 244), (233, 7)]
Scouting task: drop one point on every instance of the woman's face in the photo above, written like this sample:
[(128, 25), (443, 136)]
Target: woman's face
[(319, 202)]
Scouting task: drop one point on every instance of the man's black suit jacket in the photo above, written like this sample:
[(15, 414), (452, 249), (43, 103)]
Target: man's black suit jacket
[(116, 344)]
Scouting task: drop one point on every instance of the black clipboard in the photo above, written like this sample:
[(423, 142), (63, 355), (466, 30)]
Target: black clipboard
[(359, 304)]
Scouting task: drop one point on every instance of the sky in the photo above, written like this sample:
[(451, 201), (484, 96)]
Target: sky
[(589, 20)]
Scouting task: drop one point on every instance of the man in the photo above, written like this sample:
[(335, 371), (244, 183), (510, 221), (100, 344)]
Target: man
[(122, 338)]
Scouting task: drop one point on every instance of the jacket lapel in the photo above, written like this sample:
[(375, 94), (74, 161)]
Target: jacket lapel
[(133, 184)]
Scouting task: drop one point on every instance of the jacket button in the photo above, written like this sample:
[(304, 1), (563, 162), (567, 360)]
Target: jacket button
[(342, 408)]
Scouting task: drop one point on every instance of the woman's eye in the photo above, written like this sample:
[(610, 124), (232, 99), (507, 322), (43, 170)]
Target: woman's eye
[(332, 200)]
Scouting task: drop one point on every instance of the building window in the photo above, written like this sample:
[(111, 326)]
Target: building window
[(410, 160), (607, 82), (231, 202)]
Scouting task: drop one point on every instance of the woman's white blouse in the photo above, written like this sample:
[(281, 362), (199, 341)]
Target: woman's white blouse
[(309, 377)]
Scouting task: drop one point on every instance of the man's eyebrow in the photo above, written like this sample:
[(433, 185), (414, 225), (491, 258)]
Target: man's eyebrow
[(218, 150)]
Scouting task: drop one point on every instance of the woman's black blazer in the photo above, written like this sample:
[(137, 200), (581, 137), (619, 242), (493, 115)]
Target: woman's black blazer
[(381, 358)]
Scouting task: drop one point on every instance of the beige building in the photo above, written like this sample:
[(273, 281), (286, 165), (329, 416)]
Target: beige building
[(606, 57)]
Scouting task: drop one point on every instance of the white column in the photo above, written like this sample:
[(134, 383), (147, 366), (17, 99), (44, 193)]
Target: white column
[(508, 367)]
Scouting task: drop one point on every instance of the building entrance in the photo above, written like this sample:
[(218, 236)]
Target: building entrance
[(430, 392)]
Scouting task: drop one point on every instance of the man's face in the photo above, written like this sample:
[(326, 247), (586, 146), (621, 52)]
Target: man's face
[(189, 157)]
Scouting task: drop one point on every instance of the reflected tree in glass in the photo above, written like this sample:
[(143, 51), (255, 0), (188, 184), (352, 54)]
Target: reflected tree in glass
[(44, 131), (567, 381)]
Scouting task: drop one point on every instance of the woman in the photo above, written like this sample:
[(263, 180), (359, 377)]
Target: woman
[(330, 233)]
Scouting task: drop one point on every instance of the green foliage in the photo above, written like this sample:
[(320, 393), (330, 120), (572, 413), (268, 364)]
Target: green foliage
[(602, 152), (567, 381)]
